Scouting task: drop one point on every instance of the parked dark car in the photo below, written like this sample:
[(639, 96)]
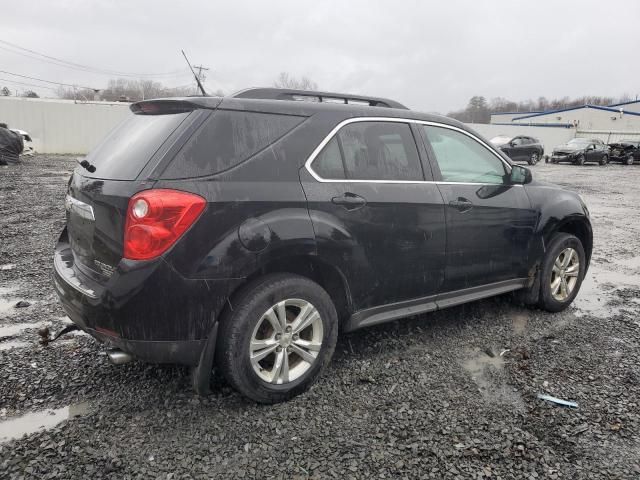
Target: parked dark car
[(520, 148), (11, 145), (625, 151), (580, 151), (245, 232)]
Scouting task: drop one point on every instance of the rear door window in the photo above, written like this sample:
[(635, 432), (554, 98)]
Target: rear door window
[(126, 150), (226, 139), (371, 151), (329, 163)]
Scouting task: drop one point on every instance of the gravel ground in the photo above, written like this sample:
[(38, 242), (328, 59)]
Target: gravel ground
[(428, 397)]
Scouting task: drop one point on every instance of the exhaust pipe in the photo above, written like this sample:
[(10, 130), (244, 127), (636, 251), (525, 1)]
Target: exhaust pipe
[(118, 357)]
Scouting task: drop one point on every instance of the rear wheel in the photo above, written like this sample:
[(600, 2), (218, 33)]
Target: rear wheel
[(604, 160), (533, 159), (562, 272), (277, 339)]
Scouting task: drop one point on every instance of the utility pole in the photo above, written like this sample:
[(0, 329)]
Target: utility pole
[(201, 76)]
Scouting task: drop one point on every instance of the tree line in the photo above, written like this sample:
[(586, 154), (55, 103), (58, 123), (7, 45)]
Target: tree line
[(120, 89), (479, 110)]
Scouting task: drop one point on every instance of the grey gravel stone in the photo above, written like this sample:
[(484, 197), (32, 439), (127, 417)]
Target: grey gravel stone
[(418, 398)]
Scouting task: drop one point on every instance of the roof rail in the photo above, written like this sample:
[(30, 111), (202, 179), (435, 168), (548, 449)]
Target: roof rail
[(314, 96)]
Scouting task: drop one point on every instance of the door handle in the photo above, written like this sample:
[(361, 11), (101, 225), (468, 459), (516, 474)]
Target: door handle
[(461, 204), (350, 201)]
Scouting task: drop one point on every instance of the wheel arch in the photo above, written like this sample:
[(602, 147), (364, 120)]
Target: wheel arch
[(578, 226), (327, 276)]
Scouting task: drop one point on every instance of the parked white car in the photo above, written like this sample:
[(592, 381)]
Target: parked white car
[(28, 142)]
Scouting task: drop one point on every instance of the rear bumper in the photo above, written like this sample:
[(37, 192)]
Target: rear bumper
[(146, 309), (185, 352)]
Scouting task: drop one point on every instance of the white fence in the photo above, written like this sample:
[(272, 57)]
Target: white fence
[(608, 137), (62, 126)]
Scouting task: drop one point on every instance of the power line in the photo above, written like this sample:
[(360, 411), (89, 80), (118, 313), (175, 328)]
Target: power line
[(77, 66), (47, 81), (26, 84)]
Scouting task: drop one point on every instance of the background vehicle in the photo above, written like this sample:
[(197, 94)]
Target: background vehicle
[(247, 231), (11, 145), (625, 151), (520, 148), (580, 151), (28, 149)]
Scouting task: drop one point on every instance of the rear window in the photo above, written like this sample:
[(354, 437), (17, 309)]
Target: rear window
[(227, 139), (126, 150)]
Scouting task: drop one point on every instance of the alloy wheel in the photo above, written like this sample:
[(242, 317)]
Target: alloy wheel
[(534, 159), (286, 341), (564, 275)]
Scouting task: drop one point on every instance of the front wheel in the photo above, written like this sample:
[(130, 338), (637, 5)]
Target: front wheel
[(604, 160), (629, 160), (580, 160), (533, 159), (562, 271), (278, 337)]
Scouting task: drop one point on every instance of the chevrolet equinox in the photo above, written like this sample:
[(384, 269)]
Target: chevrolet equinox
[(245, 232)]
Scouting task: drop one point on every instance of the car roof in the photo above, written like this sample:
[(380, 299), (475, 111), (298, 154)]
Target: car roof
[(306, 108)]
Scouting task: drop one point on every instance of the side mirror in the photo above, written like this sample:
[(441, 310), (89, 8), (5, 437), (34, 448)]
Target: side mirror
[(520, 175)]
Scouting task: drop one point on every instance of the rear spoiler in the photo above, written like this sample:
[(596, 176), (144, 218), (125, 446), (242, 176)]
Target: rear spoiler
[(165, 106)]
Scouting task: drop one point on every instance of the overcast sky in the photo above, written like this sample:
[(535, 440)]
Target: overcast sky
[(430, 55)]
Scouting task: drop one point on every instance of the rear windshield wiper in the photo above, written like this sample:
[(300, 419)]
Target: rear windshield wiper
[(86, 165)]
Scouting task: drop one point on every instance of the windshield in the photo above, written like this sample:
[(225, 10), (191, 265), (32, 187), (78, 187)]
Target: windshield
[(126, 150), (501, 140), (579, 141)]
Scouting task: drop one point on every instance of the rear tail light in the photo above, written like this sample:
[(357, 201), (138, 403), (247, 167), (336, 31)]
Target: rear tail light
[(156, 219)]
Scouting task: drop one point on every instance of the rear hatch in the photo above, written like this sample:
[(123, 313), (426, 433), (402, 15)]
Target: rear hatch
[(122, 165)]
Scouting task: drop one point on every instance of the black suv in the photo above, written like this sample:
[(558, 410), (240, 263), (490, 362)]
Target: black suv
[(520, 148), (244, 232)]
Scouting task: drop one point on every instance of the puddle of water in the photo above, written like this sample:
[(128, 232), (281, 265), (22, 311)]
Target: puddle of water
[(15, 329), (483, 370), (6, 307), (631, 263), (4, 291), (7, 304), (598, 289), (519, 323), (477, 364), (12, 344), (38, 421)]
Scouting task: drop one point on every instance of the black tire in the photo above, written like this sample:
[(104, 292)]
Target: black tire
[(604, 160), (533, 159), (629, 160), (558, 243), (238, 324), (580, 160)]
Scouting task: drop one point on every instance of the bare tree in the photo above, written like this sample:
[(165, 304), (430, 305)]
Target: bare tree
[(119, 89), (285, 80), (5, 92)]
